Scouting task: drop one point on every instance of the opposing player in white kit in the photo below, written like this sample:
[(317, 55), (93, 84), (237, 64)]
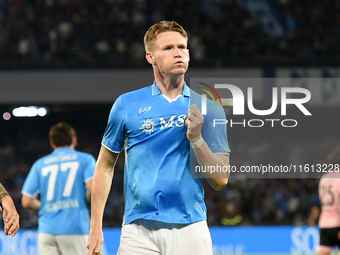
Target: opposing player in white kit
[(329, 194), (63, 179), (165, 213)]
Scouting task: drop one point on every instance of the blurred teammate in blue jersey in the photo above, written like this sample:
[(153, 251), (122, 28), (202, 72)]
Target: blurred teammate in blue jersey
[(64, 180), (156, 126)]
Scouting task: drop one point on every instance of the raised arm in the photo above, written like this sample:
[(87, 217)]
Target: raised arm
[(10, 214), (205, 157), (101, 185)]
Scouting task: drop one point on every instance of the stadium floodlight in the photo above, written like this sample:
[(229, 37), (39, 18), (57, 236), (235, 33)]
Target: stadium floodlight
[(42, 111), (29, 111), (6, 116)]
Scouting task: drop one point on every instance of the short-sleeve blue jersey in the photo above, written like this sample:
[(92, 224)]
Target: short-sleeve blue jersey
[(60, 178), (151, 129)]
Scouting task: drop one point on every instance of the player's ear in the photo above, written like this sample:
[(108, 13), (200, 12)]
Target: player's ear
[(149, 58), (53, 144), (74, 142)]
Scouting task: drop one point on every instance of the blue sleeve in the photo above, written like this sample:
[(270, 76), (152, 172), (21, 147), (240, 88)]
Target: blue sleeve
[(215, 132), (31, 185), (115, 131), (89, 167)]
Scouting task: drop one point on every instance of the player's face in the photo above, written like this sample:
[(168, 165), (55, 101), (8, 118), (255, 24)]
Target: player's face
[(170, 53)]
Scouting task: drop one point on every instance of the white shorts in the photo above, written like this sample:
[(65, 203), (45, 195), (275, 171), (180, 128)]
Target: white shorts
[(62, 244), (145, 237)]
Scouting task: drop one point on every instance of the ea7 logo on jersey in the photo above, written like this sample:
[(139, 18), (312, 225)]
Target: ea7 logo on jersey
[(146, 109), (149, 125)]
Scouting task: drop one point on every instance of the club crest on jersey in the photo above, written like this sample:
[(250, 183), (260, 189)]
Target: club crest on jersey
[(148, 126)]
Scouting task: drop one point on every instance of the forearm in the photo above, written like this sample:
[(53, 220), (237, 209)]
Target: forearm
[(3, 192), (208, 160), (31, 204), (101, 186), (35, 205), (88, 191)]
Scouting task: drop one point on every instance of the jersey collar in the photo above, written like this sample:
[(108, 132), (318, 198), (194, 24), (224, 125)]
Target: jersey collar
[(62, 149), (156, 91)]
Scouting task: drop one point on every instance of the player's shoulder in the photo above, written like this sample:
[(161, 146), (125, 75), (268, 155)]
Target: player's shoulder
[(84, 155), (136, 94), (43, 159), (197, 99), (213, 107)]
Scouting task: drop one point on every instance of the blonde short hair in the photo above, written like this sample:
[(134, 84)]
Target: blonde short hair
[(156, 29)]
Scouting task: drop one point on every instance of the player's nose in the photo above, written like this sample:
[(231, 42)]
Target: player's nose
[(177, 52)]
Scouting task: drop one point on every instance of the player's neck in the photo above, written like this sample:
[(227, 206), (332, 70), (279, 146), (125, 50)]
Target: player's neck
[(63, 147), (170, 86)]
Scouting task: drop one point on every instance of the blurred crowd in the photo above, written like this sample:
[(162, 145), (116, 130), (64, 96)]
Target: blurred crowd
[(109, 33), (245, 201)]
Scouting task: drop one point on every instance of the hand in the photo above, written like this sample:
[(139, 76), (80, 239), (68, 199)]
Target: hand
[(95, 242), (194, 122), (10, 216)]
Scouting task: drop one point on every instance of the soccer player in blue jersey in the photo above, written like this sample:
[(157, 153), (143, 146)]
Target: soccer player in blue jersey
[(165, 213), (10, 214), (64, 180)]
